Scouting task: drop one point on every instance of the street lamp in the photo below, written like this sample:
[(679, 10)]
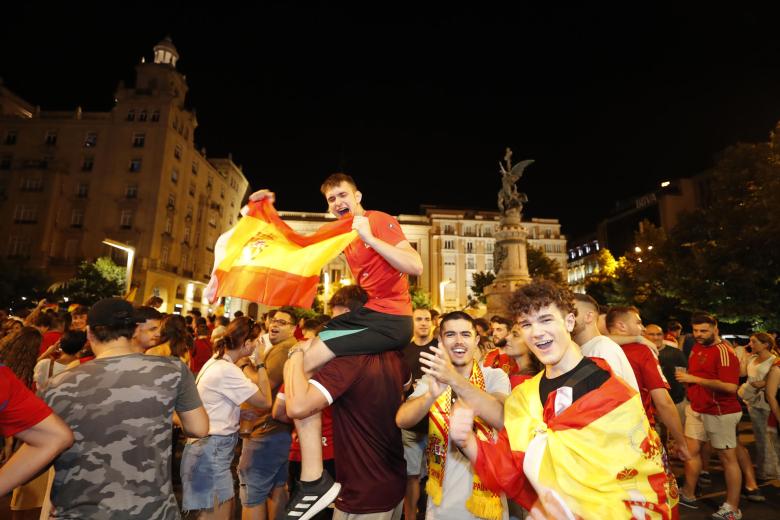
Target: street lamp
[(130, 250), (442, 285)]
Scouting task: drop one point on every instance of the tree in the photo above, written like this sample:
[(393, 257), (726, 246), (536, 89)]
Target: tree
[(420, 299), (721, 257), (481, 280), (94, 281), (542, 266), (17, 281)]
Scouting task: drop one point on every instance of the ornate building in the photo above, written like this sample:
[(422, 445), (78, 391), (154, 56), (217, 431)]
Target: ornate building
[(70, 180)]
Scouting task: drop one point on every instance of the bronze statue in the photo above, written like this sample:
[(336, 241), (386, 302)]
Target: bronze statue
[(509, 197)]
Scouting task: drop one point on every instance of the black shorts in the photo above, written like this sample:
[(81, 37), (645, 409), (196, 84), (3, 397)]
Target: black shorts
[(365, 331)]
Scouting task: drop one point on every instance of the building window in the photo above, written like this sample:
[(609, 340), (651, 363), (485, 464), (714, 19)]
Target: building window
[(169, 224), (471, 263), (489, 248), (139, 140), (164, 254), (171, 201), (449, 244), (222, 192), (187, 231), (32, 184), (175, 175), (194, 168), (192, 189), (142, 115), (131, 115), (5, 162), (449, 229), (135, 165), (77, 218), (90, 140), (156, 116), (126, 219), (131, 191), (18, 246), (82, 190), (71, 248), (469, 247), (51, 138), (87, 163), (10, 137), (210, 182), (25, 214), (185, 260), (177, 152), (489, 263)]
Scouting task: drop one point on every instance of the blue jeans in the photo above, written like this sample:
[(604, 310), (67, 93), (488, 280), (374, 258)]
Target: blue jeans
[(263, 466), (205, 471)]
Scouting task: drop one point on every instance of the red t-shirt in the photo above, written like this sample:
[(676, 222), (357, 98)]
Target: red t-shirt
[(648, 374), (327, 434), (713, 362), (201, 352), (365, 392), (387, 288), (20, 409), (49, 338)]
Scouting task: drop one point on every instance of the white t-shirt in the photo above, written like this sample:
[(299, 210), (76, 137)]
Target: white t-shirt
[(458, 472), (606, 349), (41, 372), (222, 388)]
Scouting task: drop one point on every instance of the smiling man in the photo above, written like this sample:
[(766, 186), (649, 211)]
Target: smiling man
[(380, 259), (454, 491), (576, 442)]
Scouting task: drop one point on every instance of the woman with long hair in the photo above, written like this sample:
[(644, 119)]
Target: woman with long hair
[(19, 353), (205, 464), (176, 340), (752, 393)]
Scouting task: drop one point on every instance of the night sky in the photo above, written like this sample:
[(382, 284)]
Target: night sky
[(419, 105)]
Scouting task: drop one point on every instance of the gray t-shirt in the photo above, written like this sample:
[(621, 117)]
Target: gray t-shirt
[(120, 410)]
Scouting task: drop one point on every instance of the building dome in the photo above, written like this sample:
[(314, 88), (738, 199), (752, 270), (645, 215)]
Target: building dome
[(165, 52)]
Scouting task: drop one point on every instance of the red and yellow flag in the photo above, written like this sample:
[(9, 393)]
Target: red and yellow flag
[(262, 259)]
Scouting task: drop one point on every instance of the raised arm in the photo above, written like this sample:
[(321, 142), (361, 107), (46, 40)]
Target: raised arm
[(401, 256)]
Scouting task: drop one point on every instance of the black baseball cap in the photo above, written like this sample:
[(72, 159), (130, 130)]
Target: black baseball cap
[(112, 312)]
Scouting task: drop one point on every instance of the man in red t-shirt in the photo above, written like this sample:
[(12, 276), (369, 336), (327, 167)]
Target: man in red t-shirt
[(714, 412), (24, 416), (380, 259), (653, 387)]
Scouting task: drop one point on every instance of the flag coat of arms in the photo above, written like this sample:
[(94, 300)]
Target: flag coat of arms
[(264, 260)]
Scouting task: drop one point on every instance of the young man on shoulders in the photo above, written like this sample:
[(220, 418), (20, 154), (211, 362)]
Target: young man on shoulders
[(576, 441), (380, 259)]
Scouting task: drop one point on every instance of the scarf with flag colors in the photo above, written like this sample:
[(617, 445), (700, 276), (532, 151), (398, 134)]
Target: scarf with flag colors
[(482, 503), (598, 456), (264, 260)]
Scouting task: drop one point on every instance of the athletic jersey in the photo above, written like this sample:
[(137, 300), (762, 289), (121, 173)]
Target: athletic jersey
[(20, 409), (648, 374), (713, 362), (387, 288)]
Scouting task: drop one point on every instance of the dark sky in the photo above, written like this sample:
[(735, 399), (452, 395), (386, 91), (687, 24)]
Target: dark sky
[(418, 103)]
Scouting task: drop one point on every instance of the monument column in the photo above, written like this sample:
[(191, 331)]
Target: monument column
[(510, 260)]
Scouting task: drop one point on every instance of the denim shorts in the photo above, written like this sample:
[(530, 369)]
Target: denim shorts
[(263, 466), (205, 471)]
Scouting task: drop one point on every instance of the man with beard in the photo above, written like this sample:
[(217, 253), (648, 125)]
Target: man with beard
[(497, 358), (454, 491), (416, 437), (714, 412)]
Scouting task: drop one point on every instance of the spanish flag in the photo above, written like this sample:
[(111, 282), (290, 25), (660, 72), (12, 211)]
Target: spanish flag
[(262, 259)]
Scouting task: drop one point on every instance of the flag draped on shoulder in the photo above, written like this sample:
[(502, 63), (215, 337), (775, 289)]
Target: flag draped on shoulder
[(264, 260)]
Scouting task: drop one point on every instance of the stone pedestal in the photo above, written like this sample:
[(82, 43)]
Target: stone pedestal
[(511, 263)]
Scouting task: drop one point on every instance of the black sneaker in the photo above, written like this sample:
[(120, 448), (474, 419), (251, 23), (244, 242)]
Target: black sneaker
[(690, 503), (312, 497), (753, 495)]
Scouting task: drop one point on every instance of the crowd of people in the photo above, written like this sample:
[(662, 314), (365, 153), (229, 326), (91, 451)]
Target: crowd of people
[(562, 408)]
